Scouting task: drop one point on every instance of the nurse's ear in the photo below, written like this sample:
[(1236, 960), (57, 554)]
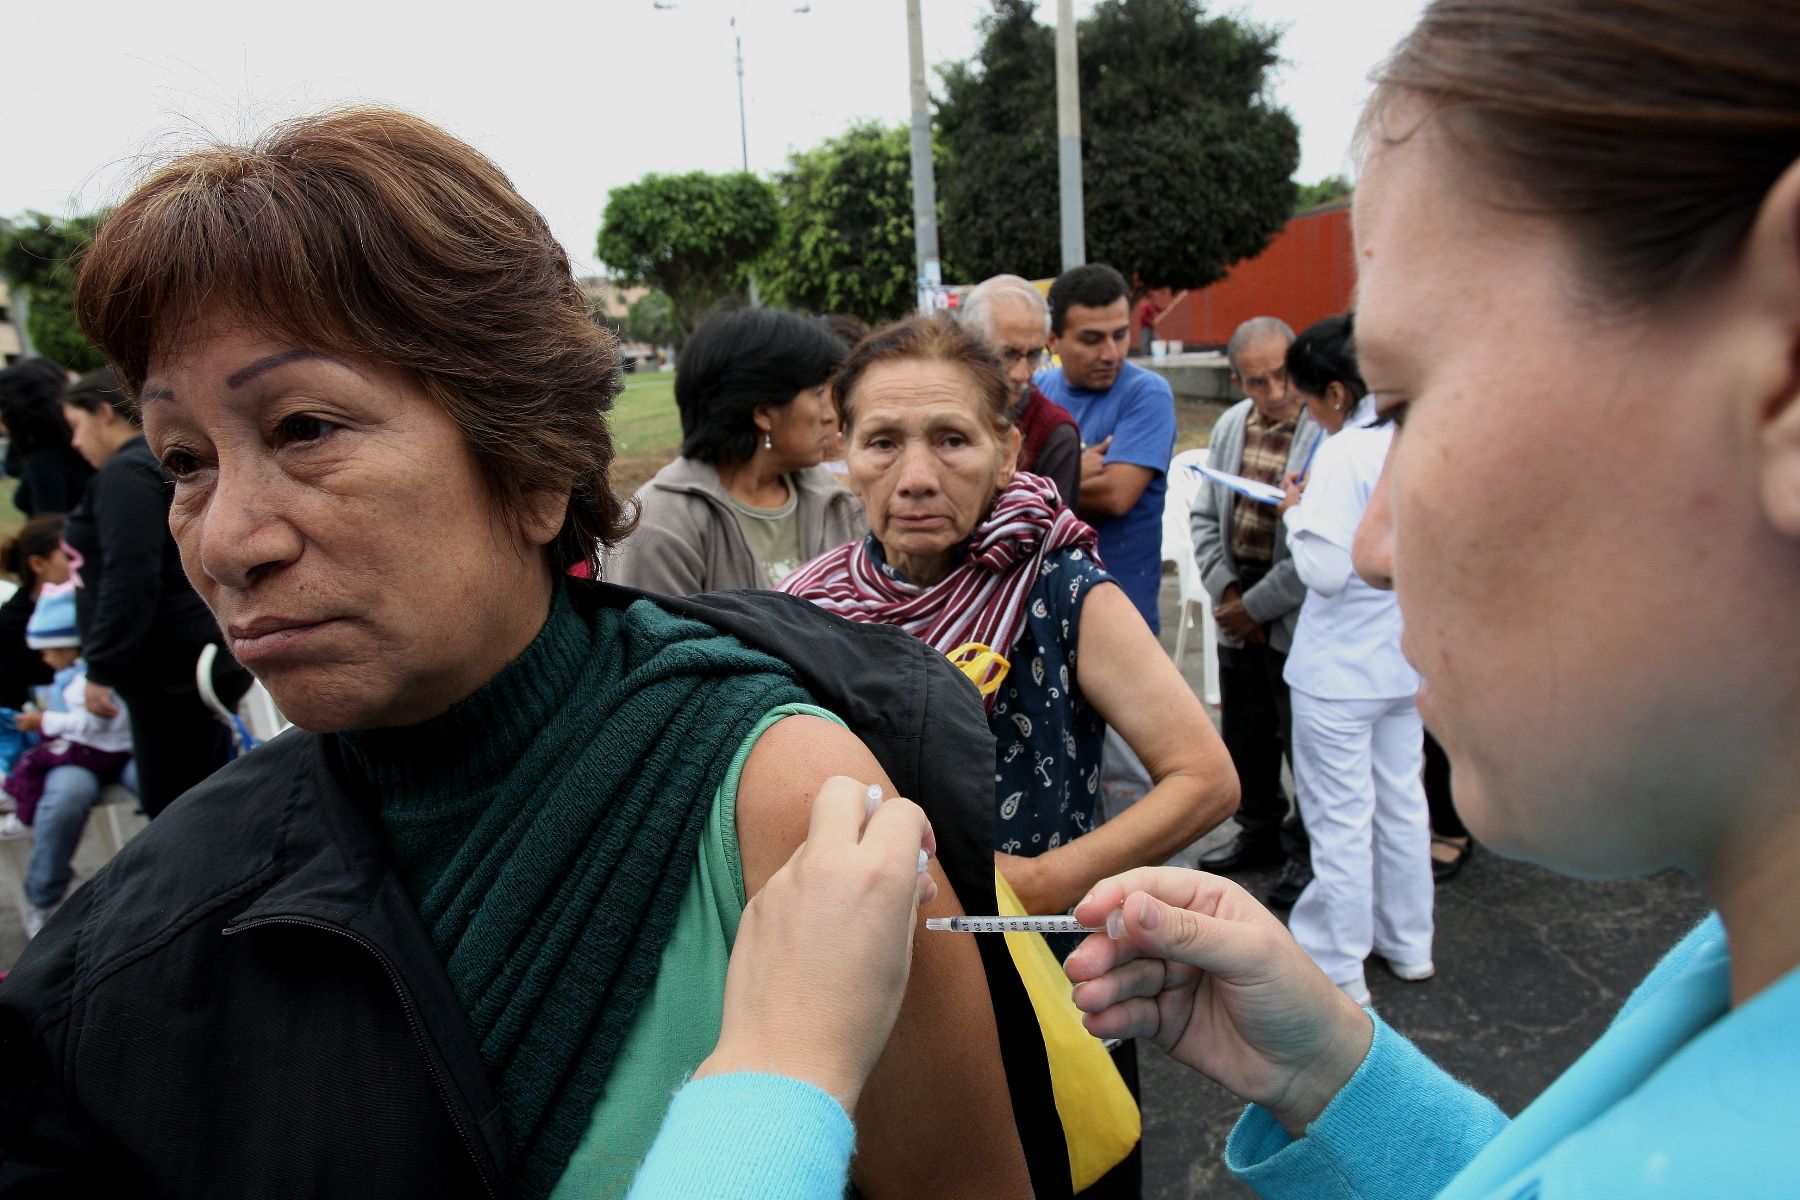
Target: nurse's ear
[(1774, 247)]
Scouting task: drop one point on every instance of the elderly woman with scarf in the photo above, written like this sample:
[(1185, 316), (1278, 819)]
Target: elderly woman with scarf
[(972, 557)]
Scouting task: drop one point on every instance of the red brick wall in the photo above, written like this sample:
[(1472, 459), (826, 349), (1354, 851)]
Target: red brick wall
[(1307, 272)]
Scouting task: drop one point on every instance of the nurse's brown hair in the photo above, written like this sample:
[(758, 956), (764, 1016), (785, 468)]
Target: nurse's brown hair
[(1652, 129)]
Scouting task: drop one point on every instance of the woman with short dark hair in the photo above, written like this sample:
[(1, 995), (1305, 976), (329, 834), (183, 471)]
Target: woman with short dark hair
[(747, 501), (1357, 738), (142, 624), (51, 474), (464, 931)]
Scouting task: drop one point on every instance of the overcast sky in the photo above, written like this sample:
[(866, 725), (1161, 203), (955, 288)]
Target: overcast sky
[(571, 100)]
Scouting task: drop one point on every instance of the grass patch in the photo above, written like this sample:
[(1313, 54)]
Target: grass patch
[(646, 428), (644, 419)]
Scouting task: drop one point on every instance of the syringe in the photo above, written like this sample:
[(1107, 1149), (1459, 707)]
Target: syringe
[(1114, 927)]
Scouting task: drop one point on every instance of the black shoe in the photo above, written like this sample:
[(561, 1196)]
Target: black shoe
[(1240, 854), (1443, 869), (1296, 873)]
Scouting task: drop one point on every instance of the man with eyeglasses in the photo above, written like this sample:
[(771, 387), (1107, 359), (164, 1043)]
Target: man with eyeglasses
[(1010, 315), (1257, 594)]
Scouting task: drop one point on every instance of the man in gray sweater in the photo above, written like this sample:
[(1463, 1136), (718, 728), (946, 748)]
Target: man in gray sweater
[(1256, 594)]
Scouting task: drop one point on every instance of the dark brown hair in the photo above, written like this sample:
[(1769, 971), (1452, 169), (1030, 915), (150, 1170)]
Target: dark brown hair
[(1653, 129), (37, 538), (372, 233), (929, 339), (101, 387)]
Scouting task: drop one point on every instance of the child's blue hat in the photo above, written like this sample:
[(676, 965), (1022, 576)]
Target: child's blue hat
[(52, 623)]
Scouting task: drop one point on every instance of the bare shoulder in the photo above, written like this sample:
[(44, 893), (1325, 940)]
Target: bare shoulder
[(941, 1080), (789, 763)]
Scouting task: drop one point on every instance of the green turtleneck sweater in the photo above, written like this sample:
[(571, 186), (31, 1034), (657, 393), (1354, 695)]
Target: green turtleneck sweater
[(564, 832)]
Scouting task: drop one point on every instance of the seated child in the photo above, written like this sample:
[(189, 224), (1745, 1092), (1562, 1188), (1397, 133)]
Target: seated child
[(75, 738)]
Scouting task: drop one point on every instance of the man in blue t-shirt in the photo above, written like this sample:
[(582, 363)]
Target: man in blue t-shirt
[(1127, 419)]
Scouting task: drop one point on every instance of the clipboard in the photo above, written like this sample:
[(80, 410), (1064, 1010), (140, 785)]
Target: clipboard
[(1262, 493)]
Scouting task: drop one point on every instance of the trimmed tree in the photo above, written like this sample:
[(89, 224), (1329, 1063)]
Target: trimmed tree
[(38, 257), (846, 240), (692, 237), (1328, 190), (1186, 166)]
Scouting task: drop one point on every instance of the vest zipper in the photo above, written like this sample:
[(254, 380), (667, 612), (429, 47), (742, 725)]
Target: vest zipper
[(412, 1020)]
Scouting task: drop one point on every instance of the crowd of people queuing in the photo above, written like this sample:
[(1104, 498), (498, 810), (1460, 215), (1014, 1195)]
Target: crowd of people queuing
[(596, 863)]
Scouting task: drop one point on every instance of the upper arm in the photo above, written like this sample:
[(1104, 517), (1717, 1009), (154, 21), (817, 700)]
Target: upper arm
[(131, 520), (1112, 492), (1135, 687), (1145, 433), (1060, 462), (940, 1082), (1323, 566)]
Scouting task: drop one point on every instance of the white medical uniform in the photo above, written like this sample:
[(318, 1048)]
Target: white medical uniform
[(1358, 743)]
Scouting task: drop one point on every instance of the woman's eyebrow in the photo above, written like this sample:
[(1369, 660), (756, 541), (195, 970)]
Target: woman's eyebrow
[(245, 374)]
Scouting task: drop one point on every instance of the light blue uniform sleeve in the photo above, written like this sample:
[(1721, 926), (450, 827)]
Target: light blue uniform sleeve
[(1401, 1129), (747, 1136)]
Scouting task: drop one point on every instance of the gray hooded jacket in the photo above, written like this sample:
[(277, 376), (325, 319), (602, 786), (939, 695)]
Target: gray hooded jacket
[(1274, 602), (688, 539)]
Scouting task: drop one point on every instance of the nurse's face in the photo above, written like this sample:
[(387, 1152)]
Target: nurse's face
[(1602, 615)]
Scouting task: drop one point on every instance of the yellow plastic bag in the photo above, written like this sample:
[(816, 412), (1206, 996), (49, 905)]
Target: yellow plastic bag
[(1100, 1120)]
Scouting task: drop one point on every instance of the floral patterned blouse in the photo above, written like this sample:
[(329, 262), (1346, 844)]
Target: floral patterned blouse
[(1047, 738)]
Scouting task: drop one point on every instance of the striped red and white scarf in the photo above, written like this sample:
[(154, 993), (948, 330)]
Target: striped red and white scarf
[(983, 597)]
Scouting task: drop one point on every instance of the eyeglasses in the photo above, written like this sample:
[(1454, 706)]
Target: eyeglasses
[(1030, 358)]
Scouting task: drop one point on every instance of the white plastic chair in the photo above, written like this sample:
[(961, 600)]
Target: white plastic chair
[(261, 719), (1178, 548)]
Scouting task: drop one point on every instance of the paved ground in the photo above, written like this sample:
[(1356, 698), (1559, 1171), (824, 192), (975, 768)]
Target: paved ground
[(1531, 966)]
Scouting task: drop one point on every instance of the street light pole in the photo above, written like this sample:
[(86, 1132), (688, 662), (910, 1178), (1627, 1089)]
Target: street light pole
[(924, 179), (743, 128), (1068, 137)]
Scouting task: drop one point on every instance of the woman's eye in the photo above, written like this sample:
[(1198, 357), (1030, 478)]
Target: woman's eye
[(302, 427), (179, 464)]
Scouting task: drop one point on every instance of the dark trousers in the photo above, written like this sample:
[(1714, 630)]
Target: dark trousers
[(1444, 821), (176, 740), (1257, 728)]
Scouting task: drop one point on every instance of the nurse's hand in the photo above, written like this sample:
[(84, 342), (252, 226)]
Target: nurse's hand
[(823, 951), (1216, 981), (1293, 488)]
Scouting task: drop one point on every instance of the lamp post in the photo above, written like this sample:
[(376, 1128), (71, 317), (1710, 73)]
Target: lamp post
[(924, 178), (1068, 138), (737, 37), (737, 40)]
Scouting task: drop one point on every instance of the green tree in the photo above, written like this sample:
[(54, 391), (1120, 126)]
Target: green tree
[(38, 254), (997, 123), (691, 236), (1186, 166), (650, 319), (846, 240), (1326, 191)]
